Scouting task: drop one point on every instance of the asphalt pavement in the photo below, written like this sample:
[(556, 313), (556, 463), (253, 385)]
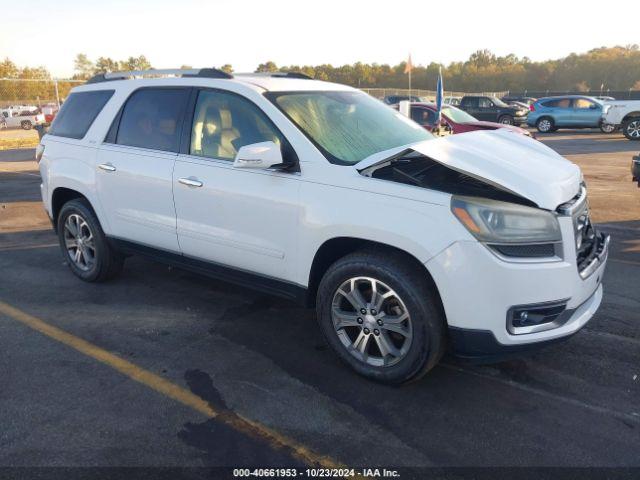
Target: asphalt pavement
[(221, 376)]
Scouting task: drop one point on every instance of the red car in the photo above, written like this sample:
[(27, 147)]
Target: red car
[(455, 120)]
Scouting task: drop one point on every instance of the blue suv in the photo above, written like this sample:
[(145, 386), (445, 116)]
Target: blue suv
[(571, 111)]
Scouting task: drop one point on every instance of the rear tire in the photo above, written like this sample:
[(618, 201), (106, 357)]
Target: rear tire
[(405, 322), (84, 245), (546, 125), (631, 128), (26, 125), (607, 127), (506, 120)]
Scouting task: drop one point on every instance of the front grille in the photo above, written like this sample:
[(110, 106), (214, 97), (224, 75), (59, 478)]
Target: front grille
[(587, 240)]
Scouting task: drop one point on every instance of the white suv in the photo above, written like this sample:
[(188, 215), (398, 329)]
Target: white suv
[(405, 244)]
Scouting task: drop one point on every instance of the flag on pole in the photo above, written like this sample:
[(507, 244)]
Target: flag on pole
[(407, 69), (408, 66), (439, 97)]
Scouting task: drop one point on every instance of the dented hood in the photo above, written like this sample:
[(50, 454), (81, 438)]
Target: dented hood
[(515, 163)]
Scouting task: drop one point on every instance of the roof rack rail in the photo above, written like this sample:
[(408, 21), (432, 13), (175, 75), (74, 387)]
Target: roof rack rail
[(299, 75), (191, 72)]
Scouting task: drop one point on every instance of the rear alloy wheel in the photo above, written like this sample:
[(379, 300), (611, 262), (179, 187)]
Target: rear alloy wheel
[(84, 245), (631, 129), (545, 125), (607, 128), (381, 315), (26, 125), (506, 120)]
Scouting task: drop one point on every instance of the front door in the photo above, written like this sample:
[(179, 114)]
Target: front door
[(586, 113), (242, 218), (135, 168)]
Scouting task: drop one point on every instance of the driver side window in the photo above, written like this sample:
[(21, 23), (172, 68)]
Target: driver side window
[(223, 122)]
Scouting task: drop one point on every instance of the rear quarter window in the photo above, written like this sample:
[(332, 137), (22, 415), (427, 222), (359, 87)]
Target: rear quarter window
[(78, 113)]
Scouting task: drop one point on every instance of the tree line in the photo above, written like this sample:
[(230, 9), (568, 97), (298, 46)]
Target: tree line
[(605, 68)]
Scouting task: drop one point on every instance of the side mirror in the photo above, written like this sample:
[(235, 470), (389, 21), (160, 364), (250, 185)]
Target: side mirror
[(261, 155)]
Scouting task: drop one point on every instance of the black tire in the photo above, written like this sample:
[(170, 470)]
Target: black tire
[(107, 262), (607, 127), (546, 125), (506, 120), (631, 128), (26, 125), (411, 283)]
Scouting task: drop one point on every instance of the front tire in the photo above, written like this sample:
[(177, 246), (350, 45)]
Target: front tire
[(506, 120), (26, 125), (631, 128), (380, 314), (545, 125), (84, 244)]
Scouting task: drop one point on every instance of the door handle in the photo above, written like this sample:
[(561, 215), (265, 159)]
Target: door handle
[(190, 182), (107, 167)]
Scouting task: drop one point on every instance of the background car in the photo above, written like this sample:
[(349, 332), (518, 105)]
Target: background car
[(492, 109), (395, 99), (22, 119), (635, 169), (456, 120), (455, 101), (518, 98), (624, 114), (570, 111)]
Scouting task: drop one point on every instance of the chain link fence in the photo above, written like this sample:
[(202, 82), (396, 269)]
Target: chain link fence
[(427, 95)]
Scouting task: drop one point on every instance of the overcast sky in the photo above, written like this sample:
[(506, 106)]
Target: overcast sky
[(247, 32)]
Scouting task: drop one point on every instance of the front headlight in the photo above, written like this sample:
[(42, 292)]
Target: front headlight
[(492, 221)]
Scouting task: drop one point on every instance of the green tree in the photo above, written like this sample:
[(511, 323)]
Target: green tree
[(267, 67), (83, 67), (226, 68)]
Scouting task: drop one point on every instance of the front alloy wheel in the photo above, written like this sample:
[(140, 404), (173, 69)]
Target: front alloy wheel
[(381, 315), (371, 321), (631, 129)]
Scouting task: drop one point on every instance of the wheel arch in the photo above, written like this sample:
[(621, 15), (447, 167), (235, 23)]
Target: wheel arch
[(631, 115), (335, 248), (62, 195)]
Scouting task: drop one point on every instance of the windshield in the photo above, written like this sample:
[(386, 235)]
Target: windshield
[(498, 103), (457, 115), (348, 126)]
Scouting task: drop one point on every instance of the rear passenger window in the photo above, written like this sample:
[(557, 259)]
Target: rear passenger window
[(224, 122), (78, 113), (558, 103), (151, 119)]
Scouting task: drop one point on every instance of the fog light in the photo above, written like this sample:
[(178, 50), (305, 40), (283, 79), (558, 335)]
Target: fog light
[(536, 317)]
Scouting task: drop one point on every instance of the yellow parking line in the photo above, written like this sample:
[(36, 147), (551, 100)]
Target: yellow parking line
[(159, 384)]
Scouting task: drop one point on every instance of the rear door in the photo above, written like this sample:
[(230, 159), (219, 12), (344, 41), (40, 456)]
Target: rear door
[(487, 111), (135, 167), (560, 110), (470, 105), (242, 218)]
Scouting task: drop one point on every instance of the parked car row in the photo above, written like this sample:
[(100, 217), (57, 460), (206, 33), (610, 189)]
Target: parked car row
[(454, 120)]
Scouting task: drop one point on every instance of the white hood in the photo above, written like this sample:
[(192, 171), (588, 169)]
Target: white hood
[(516, 163)]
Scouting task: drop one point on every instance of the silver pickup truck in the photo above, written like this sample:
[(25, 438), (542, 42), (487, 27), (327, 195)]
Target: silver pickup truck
[(625, 114), (21, 119)]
